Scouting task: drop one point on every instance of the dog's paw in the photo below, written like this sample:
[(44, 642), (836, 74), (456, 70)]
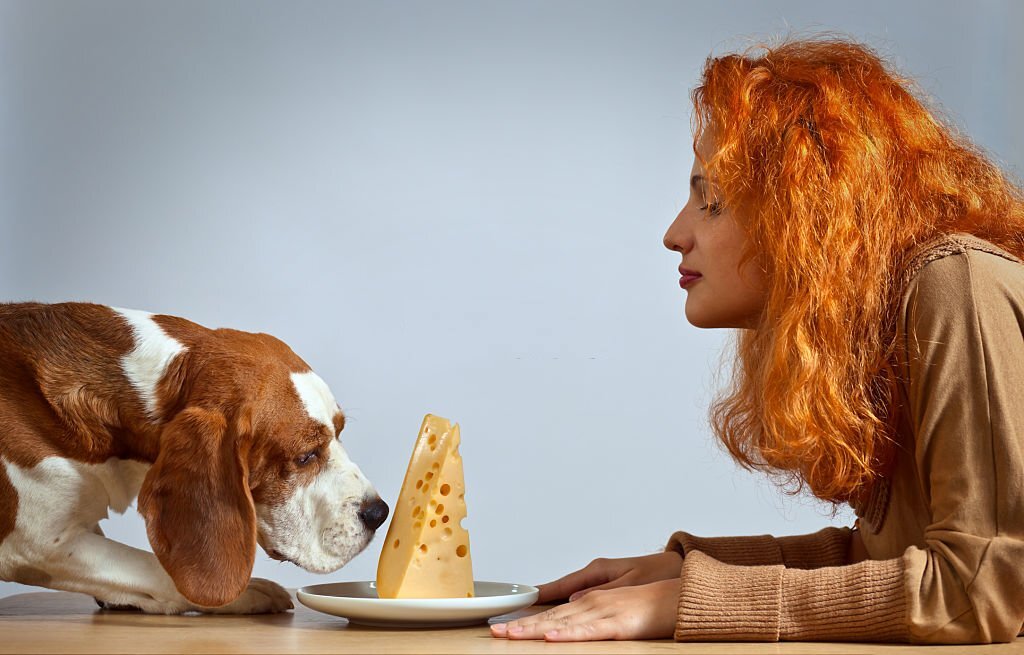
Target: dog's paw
[(133, 602), (260, 597), (113, 607)]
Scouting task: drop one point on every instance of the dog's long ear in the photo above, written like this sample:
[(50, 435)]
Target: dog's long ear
[(199, 513)]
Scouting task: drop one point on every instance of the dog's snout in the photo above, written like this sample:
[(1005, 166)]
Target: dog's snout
[(372, 512)]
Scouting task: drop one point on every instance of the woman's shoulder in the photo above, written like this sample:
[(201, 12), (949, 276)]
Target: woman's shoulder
[(956, 266), (959, 286), (951, 245)]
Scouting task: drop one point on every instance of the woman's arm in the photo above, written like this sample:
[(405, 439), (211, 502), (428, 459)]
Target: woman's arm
[(827, 547), (966, 371)]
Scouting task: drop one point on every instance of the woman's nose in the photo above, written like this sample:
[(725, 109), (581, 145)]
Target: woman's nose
[(677, 237)]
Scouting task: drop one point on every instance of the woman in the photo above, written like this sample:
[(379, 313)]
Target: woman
[(870, 259)]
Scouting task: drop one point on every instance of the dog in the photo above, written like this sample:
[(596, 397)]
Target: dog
[(227, 438)]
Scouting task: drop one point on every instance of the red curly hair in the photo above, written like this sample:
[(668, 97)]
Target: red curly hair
[(836, 170)]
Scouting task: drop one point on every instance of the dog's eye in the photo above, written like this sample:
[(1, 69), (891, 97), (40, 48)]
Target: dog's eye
[(307, 457)]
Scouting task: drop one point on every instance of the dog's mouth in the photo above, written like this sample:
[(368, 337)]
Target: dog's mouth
[(279, 556)]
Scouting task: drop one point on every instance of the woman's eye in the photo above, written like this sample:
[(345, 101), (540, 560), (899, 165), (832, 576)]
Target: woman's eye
[(713, 208), (307, 457)]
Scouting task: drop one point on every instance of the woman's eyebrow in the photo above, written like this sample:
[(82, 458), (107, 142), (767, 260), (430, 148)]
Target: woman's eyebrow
[(698, 184)]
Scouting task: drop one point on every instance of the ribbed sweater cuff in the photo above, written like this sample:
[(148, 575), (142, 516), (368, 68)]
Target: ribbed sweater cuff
[(741, 551), (827, 547), (860, 602), (721, 602)]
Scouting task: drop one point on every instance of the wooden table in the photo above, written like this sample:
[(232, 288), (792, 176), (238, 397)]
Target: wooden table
[(71, 623)]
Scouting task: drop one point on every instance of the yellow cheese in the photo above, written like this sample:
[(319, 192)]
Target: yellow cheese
[(426, 552)]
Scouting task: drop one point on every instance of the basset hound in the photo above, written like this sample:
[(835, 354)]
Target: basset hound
[(227, 438)]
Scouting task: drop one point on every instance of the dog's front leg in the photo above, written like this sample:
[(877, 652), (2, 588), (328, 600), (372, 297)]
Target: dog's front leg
[(119, 575), (103, 604)]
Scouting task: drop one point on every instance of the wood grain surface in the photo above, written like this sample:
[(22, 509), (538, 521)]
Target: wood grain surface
[(49, 622)]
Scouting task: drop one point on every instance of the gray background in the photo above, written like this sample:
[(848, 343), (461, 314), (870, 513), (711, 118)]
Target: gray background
[(446, 207)]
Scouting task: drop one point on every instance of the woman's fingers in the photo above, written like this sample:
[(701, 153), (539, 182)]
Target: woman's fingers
[(595, 573), (499, 629), (536, 626), (623, 581), (594, 630), (641, 612), (580, 625)]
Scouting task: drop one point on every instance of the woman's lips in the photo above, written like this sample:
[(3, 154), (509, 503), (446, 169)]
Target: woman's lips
[(689, 276), (688, 279)]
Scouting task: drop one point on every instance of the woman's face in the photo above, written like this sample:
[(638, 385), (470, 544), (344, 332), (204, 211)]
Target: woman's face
[(711, 241)]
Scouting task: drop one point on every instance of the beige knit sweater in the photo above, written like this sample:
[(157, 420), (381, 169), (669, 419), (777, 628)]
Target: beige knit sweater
[(937, 553)]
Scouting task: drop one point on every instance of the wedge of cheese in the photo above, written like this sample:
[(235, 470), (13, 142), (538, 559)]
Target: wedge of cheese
[(426, 552)]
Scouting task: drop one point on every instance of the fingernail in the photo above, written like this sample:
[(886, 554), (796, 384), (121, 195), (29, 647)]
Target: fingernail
[(552, 635), (574, 596), (516, 629)]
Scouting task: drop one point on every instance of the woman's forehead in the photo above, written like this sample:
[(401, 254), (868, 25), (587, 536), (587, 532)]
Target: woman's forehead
[(704, 150), (705, 144)]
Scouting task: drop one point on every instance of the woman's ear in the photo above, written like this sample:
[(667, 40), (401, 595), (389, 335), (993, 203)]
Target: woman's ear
[(199, 513)]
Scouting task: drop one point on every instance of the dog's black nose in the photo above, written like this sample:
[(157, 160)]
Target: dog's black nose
[(372, 512)]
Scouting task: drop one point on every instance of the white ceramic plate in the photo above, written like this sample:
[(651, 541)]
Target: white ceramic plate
[(358, 602)]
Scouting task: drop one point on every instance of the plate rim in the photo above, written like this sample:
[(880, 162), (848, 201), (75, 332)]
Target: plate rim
[(525, 590), (417, 612)]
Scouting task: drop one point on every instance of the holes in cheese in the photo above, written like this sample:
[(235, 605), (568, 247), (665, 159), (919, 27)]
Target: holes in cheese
[(429, 556)]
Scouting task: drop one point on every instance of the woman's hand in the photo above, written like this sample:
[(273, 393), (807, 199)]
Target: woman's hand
[(612, 573), (647, 611)]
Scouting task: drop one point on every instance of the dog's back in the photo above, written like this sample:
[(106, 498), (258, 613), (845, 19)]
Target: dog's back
[(62, 387)]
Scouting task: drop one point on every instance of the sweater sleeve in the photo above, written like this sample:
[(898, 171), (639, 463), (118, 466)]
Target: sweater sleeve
[(965, 584), (826, 547)]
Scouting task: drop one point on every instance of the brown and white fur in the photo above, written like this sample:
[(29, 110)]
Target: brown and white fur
[(227, 438)]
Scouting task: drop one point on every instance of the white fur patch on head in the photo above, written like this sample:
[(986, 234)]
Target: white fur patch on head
[(318, 526), (146, 364), (316, 397)]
